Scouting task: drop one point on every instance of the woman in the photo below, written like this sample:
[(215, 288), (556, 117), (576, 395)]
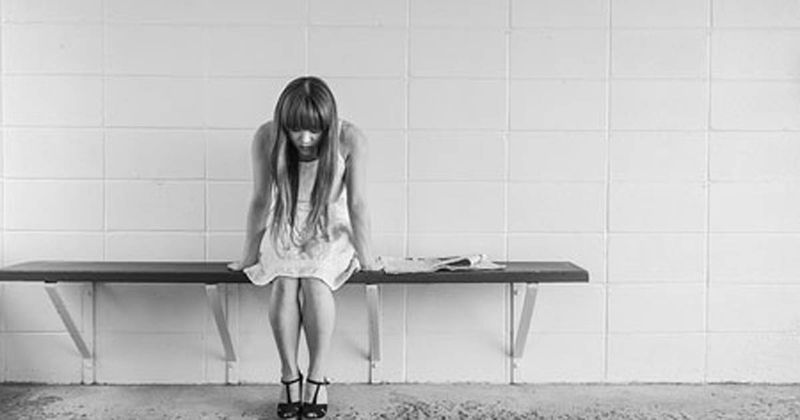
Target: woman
[(308, 229)]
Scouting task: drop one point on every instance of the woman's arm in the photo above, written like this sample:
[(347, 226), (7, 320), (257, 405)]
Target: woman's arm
[(261, 150), (356, 179)]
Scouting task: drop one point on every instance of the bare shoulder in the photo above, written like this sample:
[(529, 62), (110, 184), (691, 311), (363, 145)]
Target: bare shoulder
[(264, 138), (353, 140)]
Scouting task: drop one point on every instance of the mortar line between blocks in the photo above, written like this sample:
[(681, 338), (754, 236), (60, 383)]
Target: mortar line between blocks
[(3, 258), (204, 129), (606, 227), (104, 92), (306, 37), (707, 185), (407, 206), (509, 303), (104, 157), (3, 336), (104, 123), (407, 124)]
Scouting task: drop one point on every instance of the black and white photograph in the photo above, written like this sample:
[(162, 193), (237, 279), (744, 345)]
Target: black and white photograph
[(400, 209)]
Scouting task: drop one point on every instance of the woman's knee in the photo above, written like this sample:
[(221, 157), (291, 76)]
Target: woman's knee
[(314, 288), (284, 288)]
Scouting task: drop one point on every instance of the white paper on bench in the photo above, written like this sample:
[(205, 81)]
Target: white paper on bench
[(394, 265)]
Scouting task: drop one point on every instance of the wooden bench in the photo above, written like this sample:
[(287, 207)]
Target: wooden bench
[(213, 274)]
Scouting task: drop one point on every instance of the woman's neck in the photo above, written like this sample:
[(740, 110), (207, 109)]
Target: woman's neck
[(309, 156)]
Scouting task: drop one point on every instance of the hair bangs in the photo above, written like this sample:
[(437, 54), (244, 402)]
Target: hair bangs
[(303, 113)]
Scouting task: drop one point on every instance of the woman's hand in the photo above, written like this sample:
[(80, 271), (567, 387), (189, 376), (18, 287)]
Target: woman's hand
[(374, 265), (240, 265)]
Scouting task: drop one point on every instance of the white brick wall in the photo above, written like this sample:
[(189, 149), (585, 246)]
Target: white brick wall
[(653, 142)]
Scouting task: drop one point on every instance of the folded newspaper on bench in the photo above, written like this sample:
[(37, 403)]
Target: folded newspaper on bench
[(394, 265)]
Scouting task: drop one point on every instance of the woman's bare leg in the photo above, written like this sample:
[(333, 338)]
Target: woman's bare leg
[(283, 306), (319, 318)]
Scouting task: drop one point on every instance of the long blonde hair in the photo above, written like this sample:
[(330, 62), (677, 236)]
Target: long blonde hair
[(306, 103)]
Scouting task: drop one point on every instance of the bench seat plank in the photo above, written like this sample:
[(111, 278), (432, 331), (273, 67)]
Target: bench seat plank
[(217, 272)]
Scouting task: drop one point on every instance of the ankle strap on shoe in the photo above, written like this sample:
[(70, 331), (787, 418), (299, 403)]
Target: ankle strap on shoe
[(297, 379), (323, 382)]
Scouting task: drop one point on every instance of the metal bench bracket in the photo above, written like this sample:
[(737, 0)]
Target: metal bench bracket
[(52, 290), (524, 328), (215, 303)]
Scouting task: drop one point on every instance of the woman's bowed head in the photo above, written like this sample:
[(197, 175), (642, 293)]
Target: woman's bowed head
[(307, 229)]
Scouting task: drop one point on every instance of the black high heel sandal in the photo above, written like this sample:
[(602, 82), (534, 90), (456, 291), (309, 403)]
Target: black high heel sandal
[(291, 409), (313, 410)]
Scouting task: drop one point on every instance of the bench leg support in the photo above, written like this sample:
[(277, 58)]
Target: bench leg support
[(215, 302), (52, 290), (373, 309), (524, 325)]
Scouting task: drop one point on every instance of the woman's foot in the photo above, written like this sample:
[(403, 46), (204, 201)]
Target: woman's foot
[(315, 399), (289, 404), (294, 391)]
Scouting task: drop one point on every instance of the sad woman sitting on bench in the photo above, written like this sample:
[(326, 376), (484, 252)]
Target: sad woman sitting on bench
[(307, 229)]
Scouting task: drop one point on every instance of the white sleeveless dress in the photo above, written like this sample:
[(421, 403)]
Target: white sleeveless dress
[(332, 260)]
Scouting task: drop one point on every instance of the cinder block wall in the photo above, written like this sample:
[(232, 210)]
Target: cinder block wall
[(654, 142)]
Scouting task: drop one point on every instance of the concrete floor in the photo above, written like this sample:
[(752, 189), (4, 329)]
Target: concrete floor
[(407, 401)]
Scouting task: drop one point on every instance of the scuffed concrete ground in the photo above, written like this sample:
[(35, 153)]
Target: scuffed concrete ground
[(408, 401)]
